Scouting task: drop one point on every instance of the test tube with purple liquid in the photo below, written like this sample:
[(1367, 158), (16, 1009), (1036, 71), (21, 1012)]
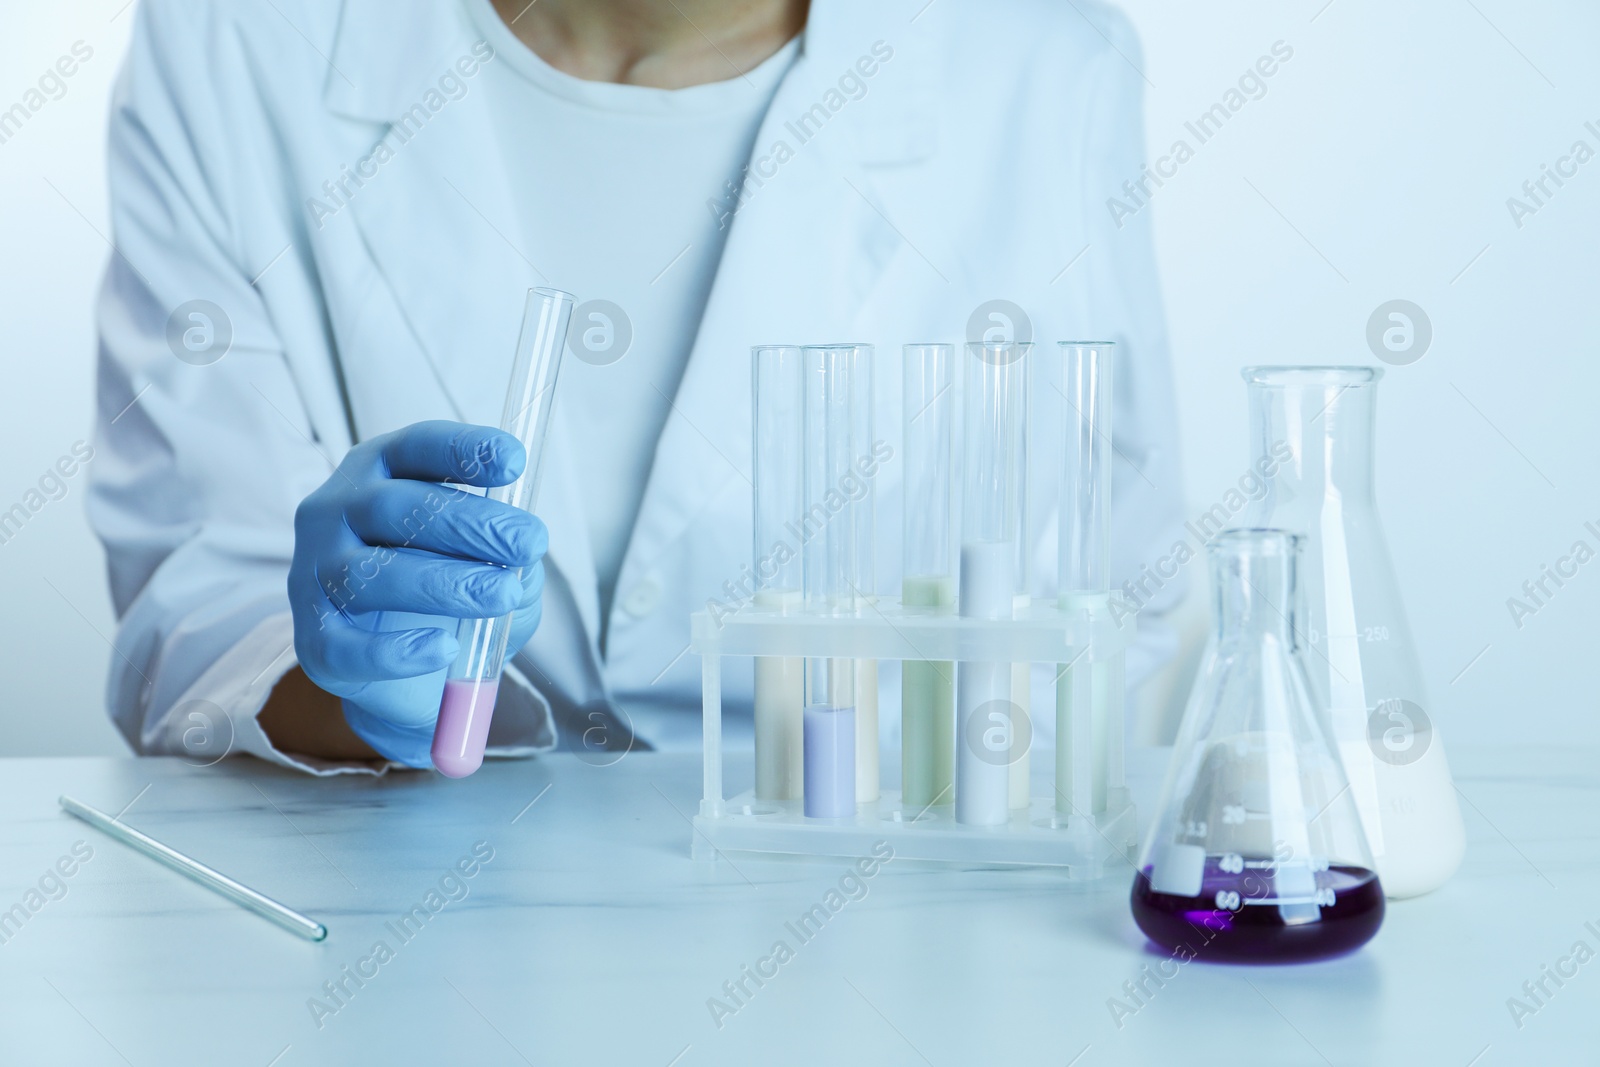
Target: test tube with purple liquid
[(474, 680), (835, 384)]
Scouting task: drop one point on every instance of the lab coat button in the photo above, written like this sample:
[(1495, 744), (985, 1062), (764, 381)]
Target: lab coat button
[(643, 598)]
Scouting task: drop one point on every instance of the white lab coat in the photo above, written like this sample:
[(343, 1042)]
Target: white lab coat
[(975, 165)]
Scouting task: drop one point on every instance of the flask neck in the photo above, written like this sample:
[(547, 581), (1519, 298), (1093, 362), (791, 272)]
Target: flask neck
[(1317, 430), (1253, 575)]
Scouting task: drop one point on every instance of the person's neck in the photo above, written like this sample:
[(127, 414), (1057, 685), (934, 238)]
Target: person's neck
[(664, 44)]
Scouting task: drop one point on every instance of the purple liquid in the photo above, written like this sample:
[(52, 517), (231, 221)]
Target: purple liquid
[(1262, 932), (463, 730), (829, 737)]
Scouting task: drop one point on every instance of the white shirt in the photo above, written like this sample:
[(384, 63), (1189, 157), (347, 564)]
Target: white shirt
[(623, 193)]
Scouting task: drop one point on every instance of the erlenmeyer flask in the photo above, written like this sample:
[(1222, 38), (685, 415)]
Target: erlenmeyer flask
[(1312, 437), (1257, 851)]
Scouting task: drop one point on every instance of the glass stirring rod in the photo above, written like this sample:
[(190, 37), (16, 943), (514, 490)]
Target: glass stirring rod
[(237, 892)]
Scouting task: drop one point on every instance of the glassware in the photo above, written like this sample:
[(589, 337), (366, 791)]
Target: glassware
[(989, 723), (1312, 433), (835, 378), (776, 382), (863, 493), (1257, 850), (1084, 575), (927, 689), (470, 688)]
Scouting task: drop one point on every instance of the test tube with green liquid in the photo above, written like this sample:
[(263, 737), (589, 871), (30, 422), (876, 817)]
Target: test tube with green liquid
[(928, 688)]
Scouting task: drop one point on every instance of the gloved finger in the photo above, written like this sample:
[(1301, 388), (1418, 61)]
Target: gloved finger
[(532, 585), (447, 521), (524, 624), (420, 582), (314, 620), (410, 744), (442, 451), (351, 654), (313, 612)]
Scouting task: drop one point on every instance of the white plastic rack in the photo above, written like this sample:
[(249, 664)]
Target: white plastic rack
[(1083, 828)]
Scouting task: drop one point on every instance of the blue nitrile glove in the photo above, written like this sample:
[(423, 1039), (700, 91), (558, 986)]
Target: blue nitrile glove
[(387, 560)]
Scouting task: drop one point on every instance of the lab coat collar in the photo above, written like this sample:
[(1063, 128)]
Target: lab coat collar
[(381, 56)]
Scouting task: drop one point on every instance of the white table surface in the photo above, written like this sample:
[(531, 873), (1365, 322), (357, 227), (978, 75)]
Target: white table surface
[(592, 938)]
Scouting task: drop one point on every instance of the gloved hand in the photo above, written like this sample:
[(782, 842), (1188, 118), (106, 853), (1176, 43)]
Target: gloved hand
[(387, 561)]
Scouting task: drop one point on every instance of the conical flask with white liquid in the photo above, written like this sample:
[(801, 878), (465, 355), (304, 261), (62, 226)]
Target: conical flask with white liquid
[(1312, 442)]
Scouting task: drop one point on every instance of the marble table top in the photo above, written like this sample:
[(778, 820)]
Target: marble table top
[(547, 911)]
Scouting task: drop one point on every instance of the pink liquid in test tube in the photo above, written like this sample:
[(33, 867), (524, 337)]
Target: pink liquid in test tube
[(470, 687), (463, 730)]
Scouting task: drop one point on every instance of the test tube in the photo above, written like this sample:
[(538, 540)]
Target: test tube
[(832, 579), (927, 688), (863, 508), (1021, 600), (992, 507), (1084, 575), (470, 687), (777, 441)]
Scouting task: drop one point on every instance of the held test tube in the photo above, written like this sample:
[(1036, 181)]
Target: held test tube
[(832, 580), (776, 384), (1085, 572), (994, 480), (927, 689), (470, 687)]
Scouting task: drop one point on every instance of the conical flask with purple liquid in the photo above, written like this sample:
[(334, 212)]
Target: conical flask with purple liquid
[(1257, 851)]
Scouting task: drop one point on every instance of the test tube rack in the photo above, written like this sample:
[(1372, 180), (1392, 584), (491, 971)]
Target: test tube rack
[(1079, 643)]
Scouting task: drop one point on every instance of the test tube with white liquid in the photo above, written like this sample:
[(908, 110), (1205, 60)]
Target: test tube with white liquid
[(467, 706), (776, 383), (1021, 601), (832, 578), (1084, 575), (862, 492), (993, 485), (928, 688)]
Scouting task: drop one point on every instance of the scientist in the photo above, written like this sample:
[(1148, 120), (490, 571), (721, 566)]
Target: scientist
[(327, 214)]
